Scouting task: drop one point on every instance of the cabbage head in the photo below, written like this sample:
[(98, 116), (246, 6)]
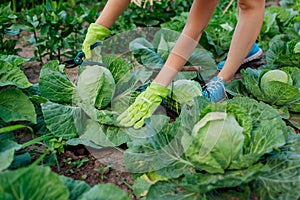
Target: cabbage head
[(275, 75), (218, 138), (276, 87), (96, 86), (234, 135), (184, 91)]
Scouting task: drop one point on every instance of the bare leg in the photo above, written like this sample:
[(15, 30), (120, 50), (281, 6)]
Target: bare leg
[(112, 10), (199, 16), (251, 14)]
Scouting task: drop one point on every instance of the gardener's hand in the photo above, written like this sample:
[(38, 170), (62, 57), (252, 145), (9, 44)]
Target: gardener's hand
[(94, 34), (144, 106)]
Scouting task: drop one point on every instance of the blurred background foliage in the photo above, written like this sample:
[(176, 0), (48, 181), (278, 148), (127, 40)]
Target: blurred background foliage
[(57, 28)]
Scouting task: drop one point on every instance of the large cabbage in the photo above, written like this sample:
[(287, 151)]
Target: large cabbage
[(226, 137), (96, 86), (210, 150), (82, 108), (218, 151)]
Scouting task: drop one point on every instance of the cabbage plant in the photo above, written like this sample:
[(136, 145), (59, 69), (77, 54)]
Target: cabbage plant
[(211, 135), (231, 150), (39, 182), (83, 108), (280, 87), (153, 55), (226, 137)]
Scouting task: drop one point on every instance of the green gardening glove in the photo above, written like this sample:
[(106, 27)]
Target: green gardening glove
[(144, 106), (94, 34)]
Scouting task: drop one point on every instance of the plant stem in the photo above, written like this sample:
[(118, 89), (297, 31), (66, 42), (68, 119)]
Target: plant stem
[(36, 140), (75, 39), (36, 40), (2, 42), (127, 184), (14, 5), (58, 54), (228, 6), (36, 162), (14, 127)]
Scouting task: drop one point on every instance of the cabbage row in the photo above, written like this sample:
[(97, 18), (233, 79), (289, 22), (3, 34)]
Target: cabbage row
[(239, 148)]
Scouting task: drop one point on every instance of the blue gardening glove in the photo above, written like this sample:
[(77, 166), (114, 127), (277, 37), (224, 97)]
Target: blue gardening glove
[(94, 34), (144, 106)]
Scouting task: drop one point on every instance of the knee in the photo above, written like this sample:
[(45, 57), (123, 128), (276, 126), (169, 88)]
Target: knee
[(251, 5)]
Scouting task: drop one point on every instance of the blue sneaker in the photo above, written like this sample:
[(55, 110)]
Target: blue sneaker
[(215, 90), (254, 53)]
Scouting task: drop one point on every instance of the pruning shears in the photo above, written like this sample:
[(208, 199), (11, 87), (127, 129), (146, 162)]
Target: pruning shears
[(78, 60)]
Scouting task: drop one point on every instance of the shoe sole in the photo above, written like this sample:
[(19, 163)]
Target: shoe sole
[(222, 100), (251, 58)]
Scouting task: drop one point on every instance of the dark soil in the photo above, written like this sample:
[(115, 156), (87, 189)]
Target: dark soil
[(92, 170)]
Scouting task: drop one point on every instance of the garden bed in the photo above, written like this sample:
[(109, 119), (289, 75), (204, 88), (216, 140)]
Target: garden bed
[(52, 116)]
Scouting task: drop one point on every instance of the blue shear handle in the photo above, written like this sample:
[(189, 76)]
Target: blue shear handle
[(78, 59), (96, 45)]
